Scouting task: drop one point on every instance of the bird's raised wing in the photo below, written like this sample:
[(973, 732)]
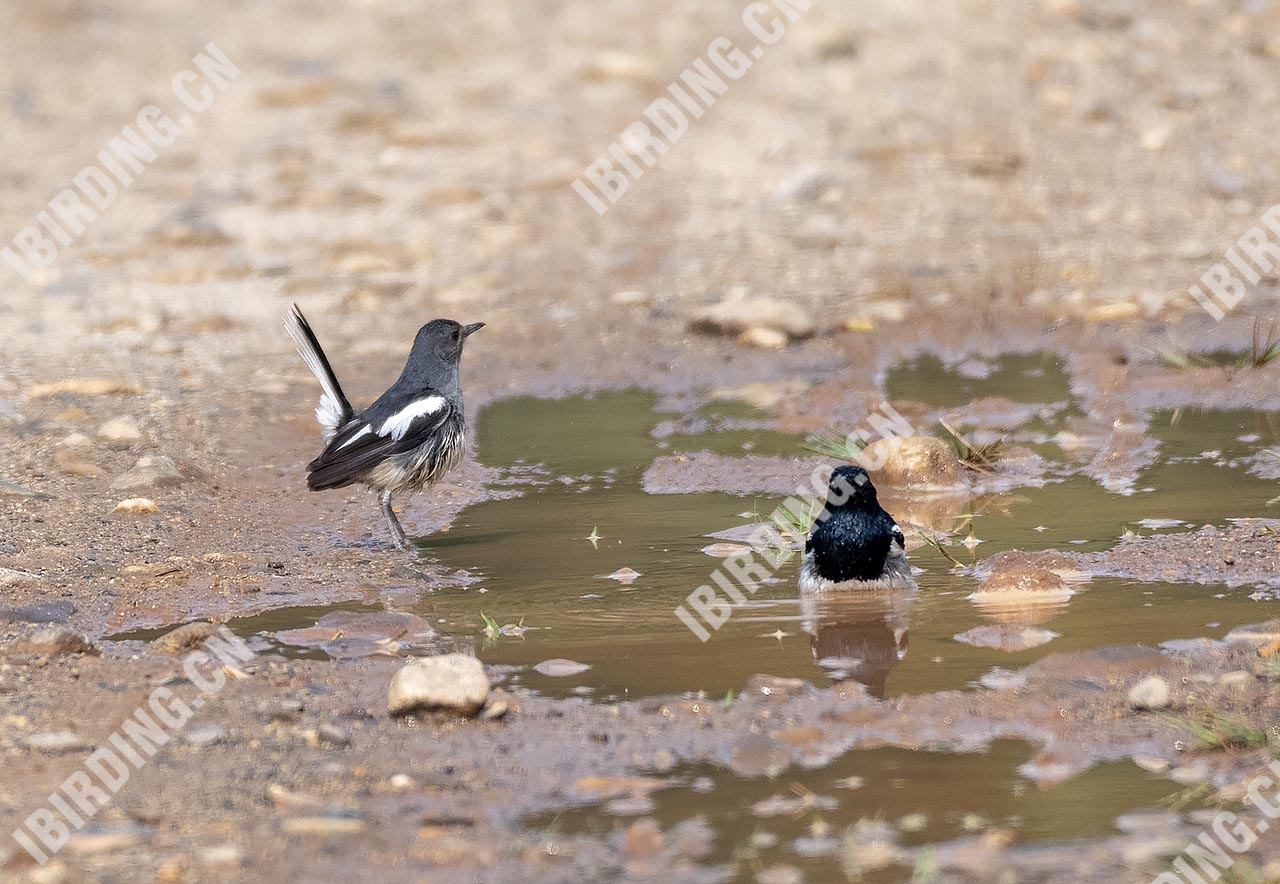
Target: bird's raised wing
[(376, 434)]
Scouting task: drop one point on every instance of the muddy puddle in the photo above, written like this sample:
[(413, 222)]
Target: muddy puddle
[(579, 563), (529, 561), (874, 813)]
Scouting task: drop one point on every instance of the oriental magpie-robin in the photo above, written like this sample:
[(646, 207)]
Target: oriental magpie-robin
[(854, 544), (410, 437)]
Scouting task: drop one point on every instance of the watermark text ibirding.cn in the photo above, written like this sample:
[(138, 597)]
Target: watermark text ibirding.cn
[(1255, 255), (117, 165), (1229, 835), (690, 95), (139, 737)]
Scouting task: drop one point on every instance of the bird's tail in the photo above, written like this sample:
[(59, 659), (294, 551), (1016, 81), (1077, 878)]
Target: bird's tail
[(334, 409)]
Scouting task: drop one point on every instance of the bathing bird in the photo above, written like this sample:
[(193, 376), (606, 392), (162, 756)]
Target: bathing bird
[(411, 436), (854, 543)]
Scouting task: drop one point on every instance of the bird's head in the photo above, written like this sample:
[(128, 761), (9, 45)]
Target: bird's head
[(443, 339), (850, 488)]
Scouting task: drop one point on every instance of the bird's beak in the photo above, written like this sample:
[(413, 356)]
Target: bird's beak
[(469, 330)]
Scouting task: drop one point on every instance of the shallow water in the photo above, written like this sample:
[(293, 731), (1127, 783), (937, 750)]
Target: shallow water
[(915, 792), (576, 467)]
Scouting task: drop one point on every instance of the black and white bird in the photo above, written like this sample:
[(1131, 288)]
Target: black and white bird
[(410, 437), (854, 544)]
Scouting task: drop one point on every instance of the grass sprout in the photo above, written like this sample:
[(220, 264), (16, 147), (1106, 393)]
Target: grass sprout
[(979, 458), (795, 525), (1219, 730), (832, 443), (1263, 351)]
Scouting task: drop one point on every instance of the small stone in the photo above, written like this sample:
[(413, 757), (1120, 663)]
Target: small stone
[(736, 315), (332, 735), (152, 471), (494, 710), (221, 855), (136, 506), (920, 463), (560, 667), (81, 387), (323, 826), (453, 682), (725, 550), (10, 577), (804, 185), (206, 735), (764, 338), (1150, 693), (120, 429), (56, 742), (1008, 637), (185, 638), (52, 641)]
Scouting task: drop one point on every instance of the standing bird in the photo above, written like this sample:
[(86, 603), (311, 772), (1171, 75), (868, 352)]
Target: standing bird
[(854, 544), (410, 437)]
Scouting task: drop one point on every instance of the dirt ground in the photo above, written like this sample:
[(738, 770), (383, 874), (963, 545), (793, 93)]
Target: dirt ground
[(980, 177)]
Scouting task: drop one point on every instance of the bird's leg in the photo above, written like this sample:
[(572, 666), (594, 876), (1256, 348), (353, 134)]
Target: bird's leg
[(398, 536)]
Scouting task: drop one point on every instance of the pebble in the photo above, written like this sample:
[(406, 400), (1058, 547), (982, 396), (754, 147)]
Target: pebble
[(560, 667), (81, 387), (764, 338), (221, 855), (1006, 637), (453, 682), (120, 429), (740, 314), (724, 550), (921, 463), (10, 577), (55, 742), (51, 641), (136, 506), (1150, 693), (185, 638), (206, 735), (151, 471), (332, 735), (323, 826)]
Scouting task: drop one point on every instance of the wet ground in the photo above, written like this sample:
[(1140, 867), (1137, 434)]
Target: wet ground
[(992, 226)]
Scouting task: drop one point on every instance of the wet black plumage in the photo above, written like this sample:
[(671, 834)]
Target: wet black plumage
[(853, 540)]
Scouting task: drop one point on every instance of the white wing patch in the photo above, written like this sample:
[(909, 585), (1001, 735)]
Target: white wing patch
[(398, 424), (364, 431)]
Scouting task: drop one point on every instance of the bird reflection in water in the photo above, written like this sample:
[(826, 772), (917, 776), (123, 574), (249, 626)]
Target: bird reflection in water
[(858, 636)]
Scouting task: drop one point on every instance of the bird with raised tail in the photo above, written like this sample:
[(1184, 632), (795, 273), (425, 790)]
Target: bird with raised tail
[(411, 436), (854, 543)]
